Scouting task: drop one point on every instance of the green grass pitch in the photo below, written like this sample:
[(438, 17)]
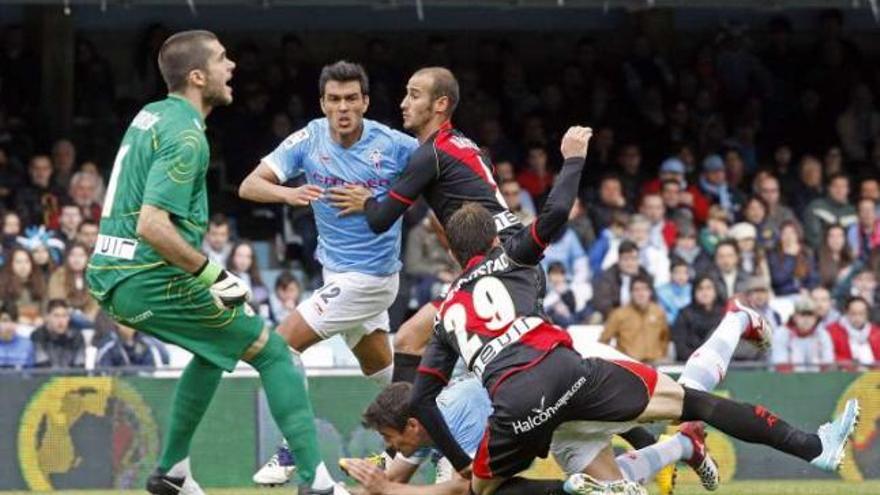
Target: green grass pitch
[(735, 488)]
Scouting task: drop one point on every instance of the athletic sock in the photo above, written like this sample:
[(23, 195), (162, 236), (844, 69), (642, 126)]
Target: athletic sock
[(289, 403), (523, 486), (405, 367), (384, 376), (750, 423), (639, 437), (641, 465), (192, 396), (708, 364)]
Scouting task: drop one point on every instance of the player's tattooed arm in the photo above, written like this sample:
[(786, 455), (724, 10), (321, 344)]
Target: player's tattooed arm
[(527, 247)]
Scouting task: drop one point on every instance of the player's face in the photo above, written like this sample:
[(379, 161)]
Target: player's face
[(344, 104), (218, 73), (418, 104), (406, 441)]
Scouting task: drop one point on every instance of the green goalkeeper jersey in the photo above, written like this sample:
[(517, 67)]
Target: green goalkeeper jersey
[(162, 162)]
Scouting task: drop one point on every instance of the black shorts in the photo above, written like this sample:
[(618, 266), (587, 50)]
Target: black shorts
[(530, 404)]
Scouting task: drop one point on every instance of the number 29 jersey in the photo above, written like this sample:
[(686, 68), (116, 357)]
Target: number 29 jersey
[(492, 316)]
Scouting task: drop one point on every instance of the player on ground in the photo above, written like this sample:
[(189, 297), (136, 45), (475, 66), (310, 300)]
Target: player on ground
[(537, 381), (147, 271), (466, 407), (448, 169), (360, 267)]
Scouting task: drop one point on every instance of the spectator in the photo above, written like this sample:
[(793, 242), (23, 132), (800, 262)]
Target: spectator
[(536, 179), (11, 229), (568, 251), (662, 230), (87, 234), (639, 327), (757, 294), (68, 282), (580, 224), (560, 303), (243, 264), (45, 250), (676, 294), (655, 259), (427, 262), (284, 298), (512, 192), (21, 284), (217, 244), (869, 188), (768, 190), (16, 351), (808, 187), (69, 222), (716, 229), (755, 213), (504, 172), (57, 344), (824, 306), (63, 163), (714, 185), (792, 266), (696, 321), (832, 209), (803, 344), (86, 189), (10, 179), (751, 256), (40, 201), (603, 252), (610, 201), (612, 288), (835, 258), (676, 210), (859, 124), (120, 346), (689, 196), (863, 236), (726, 273), (629, 163), (856, 340), (864, 285)]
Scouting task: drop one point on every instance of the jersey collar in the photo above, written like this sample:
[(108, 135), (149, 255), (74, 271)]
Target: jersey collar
[(199, 119)]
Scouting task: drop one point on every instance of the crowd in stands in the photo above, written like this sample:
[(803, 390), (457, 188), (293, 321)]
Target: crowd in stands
[(746, 165)]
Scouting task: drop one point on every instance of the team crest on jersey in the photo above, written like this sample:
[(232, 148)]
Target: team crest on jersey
[(296, 137), (376, 159)]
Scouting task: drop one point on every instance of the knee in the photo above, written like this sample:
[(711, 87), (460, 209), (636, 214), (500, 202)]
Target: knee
[(407, 340)]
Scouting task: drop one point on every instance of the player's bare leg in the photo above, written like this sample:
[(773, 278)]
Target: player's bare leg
[(410, 342), (295, 330), (373, 352)]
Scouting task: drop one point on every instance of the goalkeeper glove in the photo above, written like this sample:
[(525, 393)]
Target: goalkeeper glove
[(227, 290)]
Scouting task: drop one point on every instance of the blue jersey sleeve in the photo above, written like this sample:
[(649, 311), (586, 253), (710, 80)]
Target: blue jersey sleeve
[(287, 159)]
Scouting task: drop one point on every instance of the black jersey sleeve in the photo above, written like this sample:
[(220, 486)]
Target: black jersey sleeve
[(437, 365), (527, 246), (419, 172)]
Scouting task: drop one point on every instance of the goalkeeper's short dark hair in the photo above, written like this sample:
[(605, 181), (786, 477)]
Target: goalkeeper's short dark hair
[(183, 53), (390, 409)]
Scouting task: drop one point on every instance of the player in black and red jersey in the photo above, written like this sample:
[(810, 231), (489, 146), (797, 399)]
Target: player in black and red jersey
[(536, 381), (448, 169)]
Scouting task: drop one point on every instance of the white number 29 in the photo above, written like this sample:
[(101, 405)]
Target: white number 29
[(492, 303)]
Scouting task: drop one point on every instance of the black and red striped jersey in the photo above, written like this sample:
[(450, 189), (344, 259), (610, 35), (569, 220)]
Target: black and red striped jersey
[(448, 169)]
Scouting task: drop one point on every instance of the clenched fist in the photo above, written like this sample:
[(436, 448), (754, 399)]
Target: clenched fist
[(575, 142)]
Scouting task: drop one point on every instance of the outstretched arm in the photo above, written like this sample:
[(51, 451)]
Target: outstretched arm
[(527, 246)]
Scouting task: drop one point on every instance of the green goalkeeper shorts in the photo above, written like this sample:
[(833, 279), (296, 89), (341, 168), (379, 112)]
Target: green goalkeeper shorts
[(174, 307)]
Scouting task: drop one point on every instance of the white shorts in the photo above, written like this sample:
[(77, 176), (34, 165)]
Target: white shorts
[(576, 443), (350, 305)]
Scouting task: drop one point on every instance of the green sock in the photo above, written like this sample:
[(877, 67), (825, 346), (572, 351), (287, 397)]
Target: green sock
[(288, 399), (192, 396)]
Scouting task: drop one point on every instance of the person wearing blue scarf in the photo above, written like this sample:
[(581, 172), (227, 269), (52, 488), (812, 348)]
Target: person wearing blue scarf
[(713, 183), (675, 294)]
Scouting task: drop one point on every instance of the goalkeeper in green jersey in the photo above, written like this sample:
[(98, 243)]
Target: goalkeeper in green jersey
[(147, 271)]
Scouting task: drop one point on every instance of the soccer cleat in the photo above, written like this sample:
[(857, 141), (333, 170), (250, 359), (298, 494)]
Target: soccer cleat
[(381, 460), (162, 484), (701, 462), (278, 470), (336, 489), (834, 436), (758, 331), (584, 484), (666, 479)]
